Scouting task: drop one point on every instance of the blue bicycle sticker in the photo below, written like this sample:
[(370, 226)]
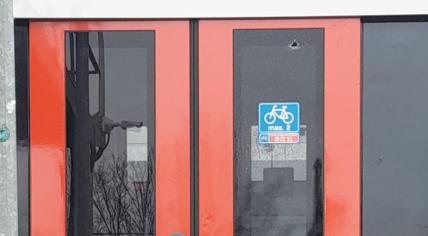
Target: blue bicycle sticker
[(279, 122)]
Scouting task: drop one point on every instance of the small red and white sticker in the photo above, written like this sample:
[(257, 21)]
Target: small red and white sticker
[(284, 138)]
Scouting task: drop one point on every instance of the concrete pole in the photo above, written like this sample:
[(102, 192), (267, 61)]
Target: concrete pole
[(8, 177)]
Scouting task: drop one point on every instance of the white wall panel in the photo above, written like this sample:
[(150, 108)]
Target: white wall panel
[(212, 8)]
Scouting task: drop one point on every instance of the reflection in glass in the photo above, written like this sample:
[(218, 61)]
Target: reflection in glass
[(110, 133)]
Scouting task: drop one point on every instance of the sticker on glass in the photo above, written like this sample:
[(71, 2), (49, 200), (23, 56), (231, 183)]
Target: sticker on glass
[(279, 122)]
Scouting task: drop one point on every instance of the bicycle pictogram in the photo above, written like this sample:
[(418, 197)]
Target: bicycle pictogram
[(279, 113)]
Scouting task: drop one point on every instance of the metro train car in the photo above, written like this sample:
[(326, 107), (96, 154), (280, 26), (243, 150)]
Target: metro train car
[(198, 118)]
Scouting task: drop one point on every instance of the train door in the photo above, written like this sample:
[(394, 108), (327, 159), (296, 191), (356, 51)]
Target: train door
[(279, 127), (274, 127), (109, 128)]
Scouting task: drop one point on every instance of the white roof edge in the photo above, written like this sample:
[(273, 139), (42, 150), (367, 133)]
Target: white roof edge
[(156, 9)]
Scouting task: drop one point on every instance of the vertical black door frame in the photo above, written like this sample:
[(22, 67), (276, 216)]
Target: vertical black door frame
[(194, 128), (22, 125)]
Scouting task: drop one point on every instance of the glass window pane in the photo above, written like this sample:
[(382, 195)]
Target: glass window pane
[(110, 133), (278, 186)]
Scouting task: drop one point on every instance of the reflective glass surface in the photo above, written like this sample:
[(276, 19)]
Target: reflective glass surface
[(110, 133), (278, 186)]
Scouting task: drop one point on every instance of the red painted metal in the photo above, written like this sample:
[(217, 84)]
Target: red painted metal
[(47, 122), (342, 122)]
